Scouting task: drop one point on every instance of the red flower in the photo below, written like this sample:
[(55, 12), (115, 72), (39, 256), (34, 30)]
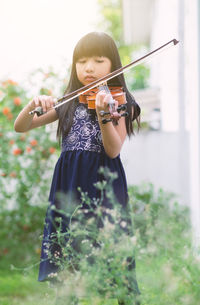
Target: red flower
[(34, 142), (28, 148), (52, 150), (11, 142), (3, 174), (6, 110), (17, 151), (17, 101), (22, 138), (13, 175), (9, 82)]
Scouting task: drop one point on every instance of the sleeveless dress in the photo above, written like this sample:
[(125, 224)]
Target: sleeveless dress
[(78, 166)]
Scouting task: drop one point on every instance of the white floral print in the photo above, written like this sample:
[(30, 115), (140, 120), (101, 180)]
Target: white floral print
[(85, 132)]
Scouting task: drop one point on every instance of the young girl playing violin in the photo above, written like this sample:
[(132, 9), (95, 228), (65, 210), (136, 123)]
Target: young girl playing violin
[(87, 143)]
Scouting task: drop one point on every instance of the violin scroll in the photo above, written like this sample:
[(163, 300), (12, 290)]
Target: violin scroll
[(38, 110), (115, 119), (114, 116), (102, 113)]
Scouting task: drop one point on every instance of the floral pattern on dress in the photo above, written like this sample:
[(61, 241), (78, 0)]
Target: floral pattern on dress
[(85, 132)]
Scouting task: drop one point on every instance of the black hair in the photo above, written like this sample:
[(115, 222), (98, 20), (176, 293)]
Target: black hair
[(96, 44)]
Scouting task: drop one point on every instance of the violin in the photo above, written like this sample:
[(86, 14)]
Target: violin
[(116, 94), (89, 98)]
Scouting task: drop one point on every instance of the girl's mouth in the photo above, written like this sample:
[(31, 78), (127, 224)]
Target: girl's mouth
[(90, 78)]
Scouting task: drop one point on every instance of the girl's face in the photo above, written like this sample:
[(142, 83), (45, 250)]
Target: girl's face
[(89, 69)]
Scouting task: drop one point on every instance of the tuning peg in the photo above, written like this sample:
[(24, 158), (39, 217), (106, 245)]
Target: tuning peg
[(37, 110), (125, 114), (102, 113), (121, 108), (104, 121)]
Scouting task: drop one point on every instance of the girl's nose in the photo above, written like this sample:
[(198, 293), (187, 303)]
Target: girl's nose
[(89, 66)]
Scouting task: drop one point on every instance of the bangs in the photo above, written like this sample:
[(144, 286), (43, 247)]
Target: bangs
[(94, 44)]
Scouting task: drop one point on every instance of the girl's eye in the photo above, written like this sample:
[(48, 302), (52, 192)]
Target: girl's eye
[(82, 61), (99, 60)]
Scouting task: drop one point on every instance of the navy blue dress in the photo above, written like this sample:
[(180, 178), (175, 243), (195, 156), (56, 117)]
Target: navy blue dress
[(78, 166)]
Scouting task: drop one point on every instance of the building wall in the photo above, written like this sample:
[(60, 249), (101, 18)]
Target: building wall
[(176, 74), (154, 157), (137, 20), (165, 66)]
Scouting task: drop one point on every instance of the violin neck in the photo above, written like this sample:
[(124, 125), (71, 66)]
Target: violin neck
[(105, 88)]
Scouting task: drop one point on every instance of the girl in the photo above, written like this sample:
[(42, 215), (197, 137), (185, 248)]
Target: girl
[(87, 144)]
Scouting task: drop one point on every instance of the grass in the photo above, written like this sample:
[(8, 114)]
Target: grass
[(158, 283), (22, 289), (167, 270)]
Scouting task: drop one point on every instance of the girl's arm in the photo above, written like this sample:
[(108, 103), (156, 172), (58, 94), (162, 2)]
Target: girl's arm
[(25, 121), (112, 136)]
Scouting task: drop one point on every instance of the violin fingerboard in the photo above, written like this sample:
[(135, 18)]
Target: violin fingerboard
[(106, 89)]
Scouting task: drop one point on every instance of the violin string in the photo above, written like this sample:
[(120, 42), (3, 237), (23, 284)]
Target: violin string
[(111, 100)]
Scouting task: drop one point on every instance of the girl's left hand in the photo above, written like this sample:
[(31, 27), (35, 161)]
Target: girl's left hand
[(102, 102)]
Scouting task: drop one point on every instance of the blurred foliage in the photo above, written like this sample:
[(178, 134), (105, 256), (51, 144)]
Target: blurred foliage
[(111, 12), (164, 241), (166, 266), (94, 246), (20, 237), (26, 169), (25, 157), (112, 23)]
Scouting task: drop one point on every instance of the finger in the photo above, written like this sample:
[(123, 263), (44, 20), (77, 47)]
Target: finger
[(116, 104), (107, 99), (51, 101), (48, 105), (42, 100), (46, 102), (55, 101), (37, 102), (99, 97)]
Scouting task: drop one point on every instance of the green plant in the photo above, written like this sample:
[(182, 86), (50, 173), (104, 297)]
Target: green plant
[(112, 23), (94, 246), (167, 268), (25, 175)]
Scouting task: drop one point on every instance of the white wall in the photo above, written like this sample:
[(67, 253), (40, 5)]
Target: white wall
[(154, 157), (192, 72), (164, 67), (137, 20), (176, 73)]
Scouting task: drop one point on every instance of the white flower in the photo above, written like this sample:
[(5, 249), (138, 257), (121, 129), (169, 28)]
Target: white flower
[(51, 275), (123, 224)]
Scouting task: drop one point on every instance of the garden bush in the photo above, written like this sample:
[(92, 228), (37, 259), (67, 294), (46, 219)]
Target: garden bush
[(26, 168)]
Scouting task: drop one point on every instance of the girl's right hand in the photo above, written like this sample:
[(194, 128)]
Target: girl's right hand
[(44, 101)]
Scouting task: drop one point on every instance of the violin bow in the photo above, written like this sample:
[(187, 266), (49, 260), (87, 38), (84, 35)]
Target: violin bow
[(70, 96)]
